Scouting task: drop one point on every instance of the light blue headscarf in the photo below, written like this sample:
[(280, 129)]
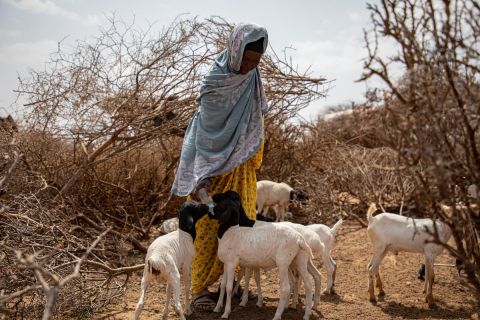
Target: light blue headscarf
[(227, 128)]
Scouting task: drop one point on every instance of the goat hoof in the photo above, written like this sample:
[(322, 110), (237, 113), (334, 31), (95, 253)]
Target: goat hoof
[(373, 300), (430, 301), (330, 291), (381, 294)]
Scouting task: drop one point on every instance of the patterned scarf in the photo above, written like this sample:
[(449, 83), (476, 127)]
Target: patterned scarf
[(227, 128)]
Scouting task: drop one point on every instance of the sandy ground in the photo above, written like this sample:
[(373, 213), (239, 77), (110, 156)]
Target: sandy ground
[(403, 300)]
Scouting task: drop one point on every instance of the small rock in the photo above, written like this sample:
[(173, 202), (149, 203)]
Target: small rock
[(474, 316)]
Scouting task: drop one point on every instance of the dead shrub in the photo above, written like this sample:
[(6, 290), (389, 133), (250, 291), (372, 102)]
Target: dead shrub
[(100, 144), (432, 117)]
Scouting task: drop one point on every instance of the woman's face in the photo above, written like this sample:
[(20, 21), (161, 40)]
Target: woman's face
[(250, 60)]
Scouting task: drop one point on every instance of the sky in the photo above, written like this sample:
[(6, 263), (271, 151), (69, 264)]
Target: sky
[(325, 35)]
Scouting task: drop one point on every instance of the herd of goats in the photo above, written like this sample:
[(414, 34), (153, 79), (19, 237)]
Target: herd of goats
[(264, 244)]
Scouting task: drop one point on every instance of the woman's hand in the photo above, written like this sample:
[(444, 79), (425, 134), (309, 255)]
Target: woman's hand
[(202, 193)]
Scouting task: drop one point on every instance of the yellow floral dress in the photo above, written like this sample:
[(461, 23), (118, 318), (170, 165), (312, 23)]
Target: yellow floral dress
[(206, 267)]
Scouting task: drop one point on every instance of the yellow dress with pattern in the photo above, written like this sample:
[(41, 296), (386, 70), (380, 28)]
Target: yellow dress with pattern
[(206, 267)]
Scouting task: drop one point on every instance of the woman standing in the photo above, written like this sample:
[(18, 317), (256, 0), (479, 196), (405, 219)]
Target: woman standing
[(223, 146)]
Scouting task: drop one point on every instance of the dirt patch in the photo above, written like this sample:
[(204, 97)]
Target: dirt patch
[(403, 300)]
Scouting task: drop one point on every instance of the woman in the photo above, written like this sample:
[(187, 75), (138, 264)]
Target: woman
[(223, 146)]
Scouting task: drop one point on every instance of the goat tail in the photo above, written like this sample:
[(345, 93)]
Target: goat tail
[(371, 210), (149, 266), (304, 246), (156, 266), (336, 226)]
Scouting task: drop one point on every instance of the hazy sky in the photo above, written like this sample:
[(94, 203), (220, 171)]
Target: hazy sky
[(326, 35)]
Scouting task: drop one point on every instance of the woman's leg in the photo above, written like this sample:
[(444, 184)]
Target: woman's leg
[(206, 268)]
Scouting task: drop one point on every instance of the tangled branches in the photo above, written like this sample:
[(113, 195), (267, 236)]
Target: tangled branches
[(340, 176), (432, 115), (100, 143)]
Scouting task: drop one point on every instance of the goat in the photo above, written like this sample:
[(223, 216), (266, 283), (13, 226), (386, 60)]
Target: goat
[(392, 232), (312, 239), (322, 241), (279, 195), (264, 246), (168, 255), (327, 236)]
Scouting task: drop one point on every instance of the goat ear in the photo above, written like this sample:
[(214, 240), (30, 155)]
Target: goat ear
[(189, 222), (242, 211), (203, 210), (303, 195), (218, 197), (224, 217), (293, 195), (233, 195)]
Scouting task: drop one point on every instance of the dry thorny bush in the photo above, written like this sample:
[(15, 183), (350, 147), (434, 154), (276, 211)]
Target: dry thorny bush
[(432, 112), (88, 174)]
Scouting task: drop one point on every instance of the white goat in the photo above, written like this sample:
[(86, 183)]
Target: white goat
[(392, 232), (264, 246), (321, 240), (327, 236), (169, 225), (278, 195), (316, 245), (170, 254)]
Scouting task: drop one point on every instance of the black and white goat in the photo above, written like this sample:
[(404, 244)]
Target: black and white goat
[(277, 195), (264, 247)]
